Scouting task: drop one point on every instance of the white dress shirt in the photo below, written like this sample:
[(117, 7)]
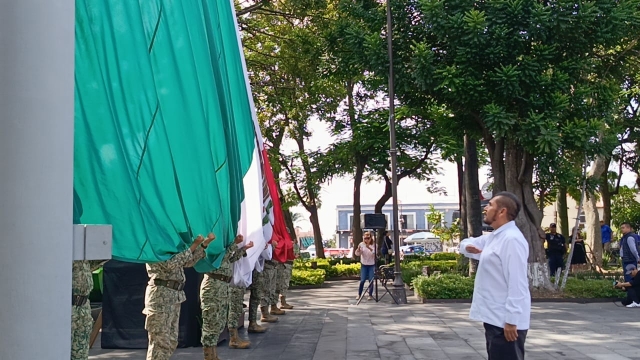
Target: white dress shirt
[(501, 290)]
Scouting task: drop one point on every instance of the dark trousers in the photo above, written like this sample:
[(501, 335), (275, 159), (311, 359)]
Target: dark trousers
[(555, 261), (632, 296), (499, 348)]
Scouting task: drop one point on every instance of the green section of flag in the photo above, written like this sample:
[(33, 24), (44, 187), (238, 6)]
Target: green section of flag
[(163, 127)]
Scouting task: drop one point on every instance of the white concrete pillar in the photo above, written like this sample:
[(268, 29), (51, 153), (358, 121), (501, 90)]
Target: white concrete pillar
[(36, 178)]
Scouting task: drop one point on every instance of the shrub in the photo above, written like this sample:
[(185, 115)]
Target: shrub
[(577, 288), (347, 269), (345, 261), (445, 286), (409, 274), (444, 256), (445, 266), (307, 277)]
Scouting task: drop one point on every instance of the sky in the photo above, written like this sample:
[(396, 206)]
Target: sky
[(340, 190)]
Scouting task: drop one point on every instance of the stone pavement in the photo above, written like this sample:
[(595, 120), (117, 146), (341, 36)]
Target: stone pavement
[(326, 326)]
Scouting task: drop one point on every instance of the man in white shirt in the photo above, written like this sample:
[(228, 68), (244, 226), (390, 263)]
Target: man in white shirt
[(501, 298)]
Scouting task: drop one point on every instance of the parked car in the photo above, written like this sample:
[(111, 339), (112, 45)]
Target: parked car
[(311, 250), (412, 249)]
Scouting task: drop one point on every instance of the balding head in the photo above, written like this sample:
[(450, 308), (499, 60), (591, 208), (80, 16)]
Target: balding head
[(510, 202)]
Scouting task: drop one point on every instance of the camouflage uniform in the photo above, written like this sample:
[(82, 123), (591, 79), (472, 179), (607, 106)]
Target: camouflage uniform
[(81, 320), (162, 304), (236, 298), (215, 297), (284, 278), (257, 294), (270, 296)]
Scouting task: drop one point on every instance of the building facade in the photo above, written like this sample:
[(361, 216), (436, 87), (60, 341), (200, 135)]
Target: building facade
[(413, 218)]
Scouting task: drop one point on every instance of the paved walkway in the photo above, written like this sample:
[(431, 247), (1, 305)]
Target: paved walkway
[(325, 326)]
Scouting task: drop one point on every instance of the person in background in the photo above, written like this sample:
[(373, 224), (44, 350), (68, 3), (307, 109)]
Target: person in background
[(367, 263), (631, 286), (606, 236), (501, 298), (628, 248), (556, 249), (387, 247), (579, 258)]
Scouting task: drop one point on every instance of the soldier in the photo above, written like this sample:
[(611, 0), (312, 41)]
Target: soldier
[(236, 298), (214, 298), (257, 295), (81, 320), (164, 295), (284, 278), (271, 282)]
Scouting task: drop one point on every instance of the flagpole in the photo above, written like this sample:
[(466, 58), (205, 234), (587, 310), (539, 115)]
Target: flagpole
[(398, 285), (36, 179)]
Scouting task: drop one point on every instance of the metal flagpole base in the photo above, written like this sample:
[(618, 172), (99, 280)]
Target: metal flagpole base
[(399, 292)]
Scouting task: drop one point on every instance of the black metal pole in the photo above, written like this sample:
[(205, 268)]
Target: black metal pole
[(398, 285)]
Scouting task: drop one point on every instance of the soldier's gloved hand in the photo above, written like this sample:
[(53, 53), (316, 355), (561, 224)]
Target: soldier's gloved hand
[(239, 239), (209, 239), (249, 245)]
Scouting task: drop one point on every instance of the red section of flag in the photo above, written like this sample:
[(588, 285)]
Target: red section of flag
[(284, 251)]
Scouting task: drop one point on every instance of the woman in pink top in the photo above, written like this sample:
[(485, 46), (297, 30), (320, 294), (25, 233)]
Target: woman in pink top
[(367, 263)]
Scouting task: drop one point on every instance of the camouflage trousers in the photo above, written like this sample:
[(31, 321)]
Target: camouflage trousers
[(214, 301), (257, 294), (270, 297), (81, 326), (162, 326), (236, 298), (283, 278)]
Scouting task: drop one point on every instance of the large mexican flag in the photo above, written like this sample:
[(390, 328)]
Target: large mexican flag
[(165, 139)]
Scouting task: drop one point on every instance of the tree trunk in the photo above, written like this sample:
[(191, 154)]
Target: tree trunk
[(462, 199), (519, 167), (594, 235), (380, 204), (317, 234), (289, 223), (563, 213), (357, 182), (472, 193), (605, 192)]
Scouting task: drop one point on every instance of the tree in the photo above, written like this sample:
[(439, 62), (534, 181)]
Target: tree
[(284, 57), (535, 77), (626, 208)]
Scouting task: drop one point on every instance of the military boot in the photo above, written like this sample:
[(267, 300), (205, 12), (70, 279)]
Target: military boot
[(276, 311), (235, 342), (254, 328), (210, 353), (266, 317), (283, 303)]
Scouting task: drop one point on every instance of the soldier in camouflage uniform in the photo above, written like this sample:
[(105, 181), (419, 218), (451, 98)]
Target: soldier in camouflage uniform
[(257, 295), (214, 300), (271, 283), (284, 277), (164, 295), (81, 320), (236, 298)]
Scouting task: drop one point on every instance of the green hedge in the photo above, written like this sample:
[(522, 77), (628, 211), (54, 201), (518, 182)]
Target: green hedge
[(307, 277), (577, 288), (445, 286), (444, 256), (444, 266), (454, 286)]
